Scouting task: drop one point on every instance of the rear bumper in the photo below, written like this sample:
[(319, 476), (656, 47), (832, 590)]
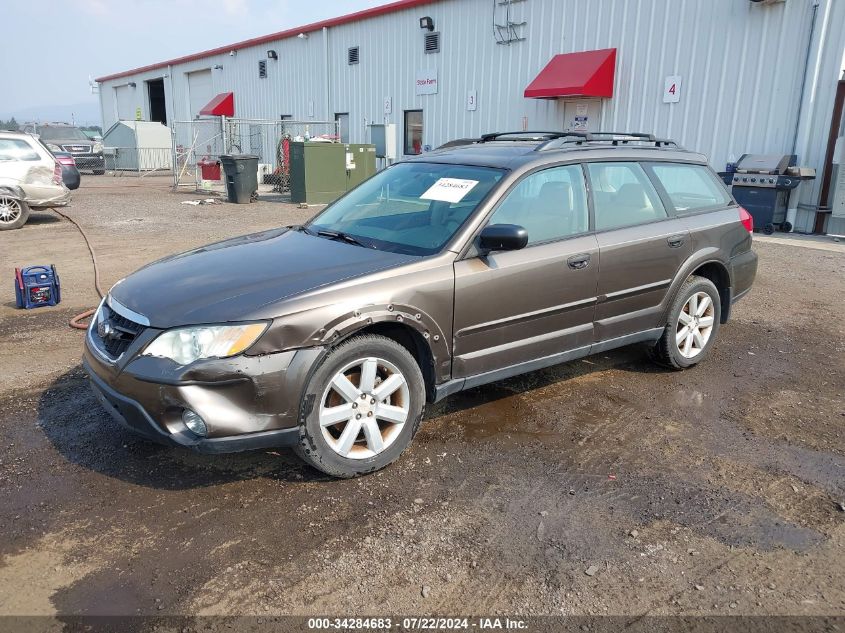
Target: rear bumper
[(743, 272), (61, 199)]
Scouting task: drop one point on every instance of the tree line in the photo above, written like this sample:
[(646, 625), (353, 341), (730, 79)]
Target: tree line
[(14, 126)]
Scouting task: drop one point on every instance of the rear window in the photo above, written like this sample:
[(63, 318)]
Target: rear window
[(690, 187), (17, 149)]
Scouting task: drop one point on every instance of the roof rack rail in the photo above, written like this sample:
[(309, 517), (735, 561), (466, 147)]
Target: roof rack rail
[(610, 138), (526, 135)]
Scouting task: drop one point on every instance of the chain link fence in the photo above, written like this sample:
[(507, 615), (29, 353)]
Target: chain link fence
[(139, 161), (202, 141)]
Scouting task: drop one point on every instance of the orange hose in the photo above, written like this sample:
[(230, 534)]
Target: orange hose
[(75, 321)]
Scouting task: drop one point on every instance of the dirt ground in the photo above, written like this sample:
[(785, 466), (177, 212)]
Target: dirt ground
[(605, 486)]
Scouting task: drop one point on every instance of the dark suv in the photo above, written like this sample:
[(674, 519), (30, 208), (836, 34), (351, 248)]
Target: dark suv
[(61, 137), (451, 270)]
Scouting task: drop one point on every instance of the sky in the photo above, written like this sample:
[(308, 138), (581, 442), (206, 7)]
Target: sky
[(55, 46)]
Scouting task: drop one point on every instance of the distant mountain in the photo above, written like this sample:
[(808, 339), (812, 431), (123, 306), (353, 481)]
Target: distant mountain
[(83, 113)]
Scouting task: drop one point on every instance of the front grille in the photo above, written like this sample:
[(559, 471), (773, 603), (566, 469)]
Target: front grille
[(77, 149), (113, 333)]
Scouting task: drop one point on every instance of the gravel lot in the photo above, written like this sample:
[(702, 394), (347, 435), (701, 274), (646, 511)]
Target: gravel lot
[(605, 486)]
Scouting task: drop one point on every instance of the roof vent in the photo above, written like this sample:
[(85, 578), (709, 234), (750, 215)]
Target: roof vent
[(352, 56), (262, 69), (432, 42)]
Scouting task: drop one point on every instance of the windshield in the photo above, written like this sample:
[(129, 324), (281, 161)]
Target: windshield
[(413, 208), (64, 133)]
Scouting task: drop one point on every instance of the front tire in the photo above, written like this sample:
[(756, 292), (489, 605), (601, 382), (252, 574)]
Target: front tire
[(692, 325), (362, 407), (13, 213)]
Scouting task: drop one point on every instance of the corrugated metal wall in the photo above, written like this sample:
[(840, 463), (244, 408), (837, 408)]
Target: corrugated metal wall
[(741, 64)]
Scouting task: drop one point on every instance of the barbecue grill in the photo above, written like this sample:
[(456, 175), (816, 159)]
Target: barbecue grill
[(762, 183)]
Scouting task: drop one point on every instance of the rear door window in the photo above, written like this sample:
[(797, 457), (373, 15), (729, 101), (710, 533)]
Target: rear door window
[(623, 196), (17, 149), (690, 188)]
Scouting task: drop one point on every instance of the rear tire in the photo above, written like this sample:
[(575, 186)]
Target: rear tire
[(361, 408), (692, 325), (13, 213)]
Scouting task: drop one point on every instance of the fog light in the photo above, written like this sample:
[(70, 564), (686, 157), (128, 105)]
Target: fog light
[(194, 423)]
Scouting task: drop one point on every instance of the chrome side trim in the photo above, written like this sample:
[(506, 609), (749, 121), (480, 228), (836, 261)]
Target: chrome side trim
[(125, 312)]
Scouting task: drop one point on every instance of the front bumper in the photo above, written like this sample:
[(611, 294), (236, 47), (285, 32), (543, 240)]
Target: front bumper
[(246, 402), (96, 162)]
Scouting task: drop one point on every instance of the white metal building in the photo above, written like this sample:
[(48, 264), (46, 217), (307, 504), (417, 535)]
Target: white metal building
[(724, 77)]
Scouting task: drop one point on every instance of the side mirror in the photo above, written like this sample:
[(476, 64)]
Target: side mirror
[(503, 237)]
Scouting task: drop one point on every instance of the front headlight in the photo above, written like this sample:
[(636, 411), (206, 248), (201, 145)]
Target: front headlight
[(53, 147), (185, 345), (98, 148)]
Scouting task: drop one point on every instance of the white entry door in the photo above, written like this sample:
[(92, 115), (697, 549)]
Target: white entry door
[(200, 91)]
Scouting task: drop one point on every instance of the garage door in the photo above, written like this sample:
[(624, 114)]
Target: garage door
[(123, 99), (200, 90)]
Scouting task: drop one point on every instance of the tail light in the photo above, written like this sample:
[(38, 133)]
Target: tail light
[(57, 173), (66, 160), (746, 219)]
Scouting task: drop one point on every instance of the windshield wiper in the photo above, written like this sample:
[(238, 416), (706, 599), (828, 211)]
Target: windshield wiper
[(332, 235), (345, 237)]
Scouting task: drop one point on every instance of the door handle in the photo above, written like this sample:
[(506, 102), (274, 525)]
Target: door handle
[(676, 241), (579, 262)]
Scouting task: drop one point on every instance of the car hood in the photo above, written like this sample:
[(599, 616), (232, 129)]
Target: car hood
[(67, 141), (242, 278)]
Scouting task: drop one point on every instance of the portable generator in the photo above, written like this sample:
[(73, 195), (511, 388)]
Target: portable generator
[(37, 286)]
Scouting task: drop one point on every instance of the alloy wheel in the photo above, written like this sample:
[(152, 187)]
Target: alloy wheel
[(364, 408), (10, 209), (695, 325)]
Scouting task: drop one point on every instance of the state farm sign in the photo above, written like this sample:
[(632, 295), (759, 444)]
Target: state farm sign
[(426, 83)]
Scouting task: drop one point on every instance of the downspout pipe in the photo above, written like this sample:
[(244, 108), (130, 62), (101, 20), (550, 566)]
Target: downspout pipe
[(326, 73), (803, 127), (174, 156)]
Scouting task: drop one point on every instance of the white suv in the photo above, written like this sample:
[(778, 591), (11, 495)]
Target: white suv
[(30, 178)]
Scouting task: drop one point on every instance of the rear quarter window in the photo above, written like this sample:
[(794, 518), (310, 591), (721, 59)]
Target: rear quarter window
[(690, 188), (12, 149)]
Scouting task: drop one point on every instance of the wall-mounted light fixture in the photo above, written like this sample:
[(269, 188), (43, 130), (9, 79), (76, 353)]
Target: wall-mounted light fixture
[(132, 84), (427, 23), (232, 53), (218, 67), (271, 54), (303, 36)]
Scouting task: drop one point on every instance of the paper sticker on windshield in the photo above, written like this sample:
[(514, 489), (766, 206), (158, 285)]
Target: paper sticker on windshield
[(449, 190)]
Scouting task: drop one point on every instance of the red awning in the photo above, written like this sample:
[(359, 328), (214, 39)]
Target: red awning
[(222, 105), (584, 74)]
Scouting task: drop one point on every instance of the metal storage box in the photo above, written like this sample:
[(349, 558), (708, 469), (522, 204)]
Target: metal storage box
[(322, 172)]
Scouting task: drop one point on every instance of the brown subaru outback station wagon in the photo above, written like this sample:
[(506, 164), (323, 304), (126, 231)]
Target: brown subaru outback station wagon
[(451, 270)]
